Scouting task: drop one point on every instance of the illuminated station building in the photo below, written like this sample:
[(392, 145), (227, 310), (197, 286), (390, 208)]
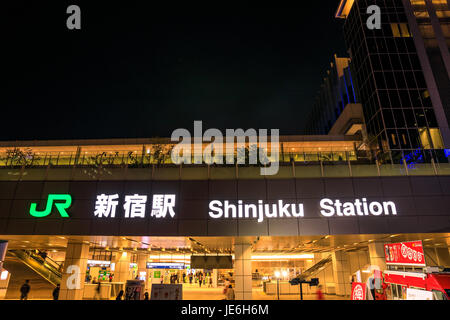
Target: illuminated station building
[(372, 171)]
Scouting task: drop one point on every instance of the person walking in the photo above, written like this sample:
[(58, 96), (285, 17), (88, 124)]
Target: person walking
[(190, 278), (319, 293), (200, 279), (120, 295), (56, 292), (230, 293), (97, 291), (24, 290)]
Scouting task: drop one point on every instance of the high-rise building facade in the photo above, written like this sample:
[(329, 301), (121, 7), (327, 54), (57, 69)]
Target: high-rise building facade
[(336, 93), (401, 76)]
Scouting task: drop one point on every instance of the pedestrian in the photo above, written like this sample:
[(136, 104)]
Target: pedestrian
[(372, 290), (184, 277), (190, 278), (24, 290), (97, 291), (43, 254), (319, 293), (56, 292), (230, 293), (200, 279), (120, 295), (210, 282)]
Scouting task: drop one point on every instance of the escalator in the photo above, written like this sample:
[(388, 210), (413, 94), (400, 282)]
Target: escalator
[(46, 268), (308, 273)]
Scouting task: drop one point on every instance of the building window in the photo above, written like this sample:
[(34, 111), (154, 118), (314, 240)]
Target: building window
[(436, 138), (400, 30), (395, 30), (425, 141), (405, 30)]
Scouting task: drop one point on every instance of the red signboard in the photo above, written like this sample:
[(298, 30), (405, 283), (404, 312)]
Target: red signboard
[(405, 253), (358, 291)]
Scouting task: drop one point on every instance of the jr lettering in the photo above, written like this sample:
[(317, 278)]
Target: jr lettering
[(60, 206)]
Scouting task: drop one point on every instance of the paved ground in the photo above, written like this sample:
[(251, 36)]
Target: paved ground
[(193, 292), (41, 289)]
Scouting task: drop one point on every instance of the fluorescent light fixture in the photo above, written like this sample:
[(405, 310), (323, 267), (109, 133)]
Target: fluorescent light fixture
[(284, 257), (4, 275)]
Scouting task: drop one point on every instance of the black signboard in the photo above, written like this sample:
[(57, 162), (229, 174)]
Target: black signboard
[(211, 262)]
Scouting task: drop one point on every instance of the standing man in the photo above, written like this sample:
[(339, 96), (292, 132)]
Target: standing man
[(24, 290)]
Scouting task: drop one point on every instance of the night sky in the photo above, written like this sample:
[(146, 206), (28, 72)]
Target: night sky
[(136, 70)]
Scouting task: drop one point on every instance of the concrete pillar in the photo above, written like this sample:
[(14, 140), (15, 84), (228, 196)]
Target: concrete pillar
[(142, 266), (75, 264), (214, 276), (243, 271), (376, 254), (122, 267), (341, 272), (3, 249)]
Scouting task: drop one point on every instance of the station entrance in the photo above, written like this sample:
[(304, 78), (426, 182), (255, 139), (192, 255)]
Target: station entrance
[(259, 268)]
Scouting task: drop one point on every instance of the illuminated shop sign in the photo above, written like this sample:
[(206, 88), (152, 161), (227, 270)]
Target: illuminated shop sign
[(53, 199), (162, 265), (99, 263), (329, 208)]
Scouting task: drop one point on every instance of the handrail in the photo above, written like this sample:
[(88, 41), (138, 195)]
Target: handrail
[(315, 268), (45, 270)]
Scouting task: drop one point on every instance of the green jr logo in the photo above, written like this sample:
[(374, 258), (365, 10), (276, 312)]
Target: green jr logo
[(60, 206)]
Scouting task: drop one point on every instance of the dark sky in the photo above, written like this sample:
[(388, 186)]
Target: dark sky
[(136, 70)]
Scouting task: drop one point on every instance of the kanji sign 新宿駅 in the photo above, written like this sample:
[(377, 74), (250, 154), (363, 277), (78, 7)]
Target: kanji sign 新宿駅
[(405, 253), (135, 205)]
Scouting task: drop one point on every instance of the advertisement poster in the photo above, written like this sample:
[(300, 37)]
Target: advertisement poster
[(358, 291), (405, 253), (134, 290), (167, 292)]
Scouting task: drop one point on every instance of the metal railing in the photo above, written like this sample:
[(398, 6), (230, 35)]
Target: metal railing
[(318, 169)]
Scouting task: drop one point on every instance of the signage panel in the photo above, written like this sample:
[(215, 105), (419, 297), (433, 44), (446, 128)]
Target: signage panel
[(211, 262), (416, 294), (358, 291), (162, 265), (405, 253)]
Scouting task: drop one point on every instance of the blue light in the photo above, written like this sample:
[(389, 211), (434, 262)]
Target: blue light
[(447, 152), (351, 81), (346, 89)]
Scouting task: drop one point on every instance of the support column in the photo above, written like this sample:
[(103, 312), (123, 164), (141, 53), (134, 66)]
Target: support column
[(142, 266), (341, 273), (3, 249), (122, 267), (4, 281), (243, 271), (75, 264), (376, 254)]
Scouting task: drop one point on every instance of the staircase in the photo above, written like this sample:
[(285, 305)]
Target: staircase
[(46, 268)]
